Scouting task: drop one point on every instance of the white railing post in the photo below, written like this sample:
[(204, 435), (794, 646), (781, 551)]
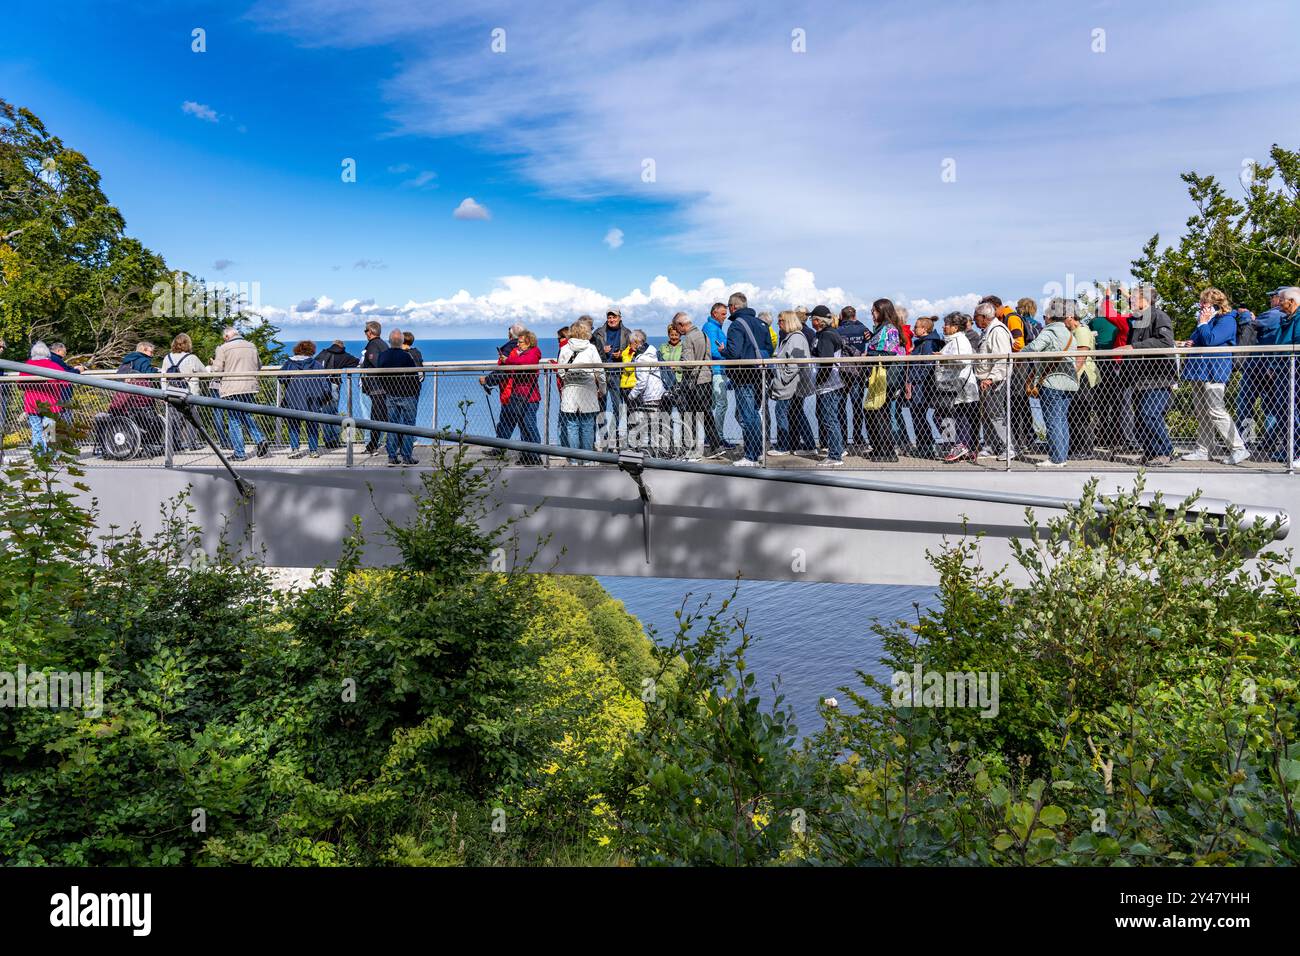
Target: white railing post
[(762, 412)]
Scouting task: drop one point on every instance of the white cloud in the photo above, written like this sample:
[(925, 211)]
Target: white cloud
[(544, 301), (202, 111), (833, 158), (469, 209), (613, 238), (422, 179)]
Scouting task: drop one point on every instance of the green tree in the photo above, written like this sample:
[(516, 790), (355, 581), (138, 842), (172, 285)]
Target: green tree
[(1245, 246)]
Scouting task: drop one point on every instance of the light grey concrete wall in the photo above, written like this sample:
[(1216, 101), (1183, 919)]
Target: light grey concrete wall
[(702, 526)]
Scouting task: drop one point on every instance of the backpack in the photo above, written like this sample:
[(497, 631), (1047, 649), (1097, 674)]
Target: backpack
[(1031, 328)]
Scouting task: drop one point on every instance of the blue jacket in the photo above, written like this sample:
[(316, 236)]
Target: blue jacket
[(931, 343), (1269, 322), (717, 339), (747, 331), (1220, 330), (306, 393), (853, 333), (1288, 333), (138, 361)]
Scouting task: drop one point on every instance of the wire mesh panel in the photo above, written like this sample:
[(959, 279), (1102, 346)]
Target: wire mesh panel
[(1190, 409)]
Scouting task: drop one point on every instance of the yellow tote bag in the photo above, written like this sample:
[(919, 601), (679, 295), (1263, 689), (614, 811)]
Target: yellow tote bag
[(877, 389)]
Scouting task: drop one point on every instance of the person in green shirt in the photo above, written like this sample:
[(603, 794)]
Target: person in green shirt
[(672, 352)]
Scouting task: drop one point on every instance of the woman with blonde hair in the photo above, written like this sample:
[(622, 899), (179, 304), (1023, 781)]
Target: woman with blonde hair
[(791, 384), (1216, 327), (580, 399)]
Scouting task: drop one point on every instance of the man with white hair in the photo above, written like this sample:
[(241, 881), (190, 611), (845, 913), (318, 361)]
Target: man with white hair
[(237, 359), (1288, 333)]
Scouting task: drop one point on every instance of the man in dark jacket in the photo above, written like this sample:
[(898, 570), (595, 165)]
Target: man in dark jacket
[(853, 423), (336, 357), (402, 391), (748, 337), (1152, 378), (611, 339), (373, 385)]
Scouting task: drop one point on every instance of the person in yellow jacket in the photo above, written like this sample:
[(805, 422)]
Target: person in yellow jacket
[(627, 377)]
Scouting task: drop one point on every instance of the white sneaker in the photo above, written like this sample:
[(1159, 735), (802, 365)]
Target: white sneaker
[(1295, 465), (745, 463), (831, 463), (988, 453), (1048, 463), (1199, 454), (777, 452), (1237, 457)]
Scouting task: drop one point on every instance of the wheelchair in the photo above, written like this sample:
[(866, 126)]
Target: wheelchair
[(129, 433)]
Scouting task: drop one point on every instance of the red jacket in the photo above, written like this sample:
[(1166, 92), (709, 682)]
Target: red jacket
[(41, 397), (521, 384)]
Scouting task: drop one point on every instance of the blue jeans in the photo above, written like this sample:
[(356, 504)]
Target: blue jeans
[(853, 419), (522, 414), (1056, 416), (781, 413), (401, 411), (830, 406), (578, 430), (313, 434), (238, 421), (37, 423), (1152, 433), (751, 425)]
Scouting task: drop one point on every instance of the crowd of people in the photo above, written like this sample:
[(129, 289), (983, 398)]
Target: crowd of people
[(1095, 394)]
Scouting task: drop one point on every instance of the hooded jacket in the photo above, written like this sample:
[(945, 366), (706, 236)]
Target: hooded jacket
[(648, 385), (336, 356), (580, 393)]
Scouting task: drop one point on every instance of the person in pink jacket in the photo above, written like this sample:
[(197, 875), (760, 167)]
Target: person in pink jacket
[(41, 397)]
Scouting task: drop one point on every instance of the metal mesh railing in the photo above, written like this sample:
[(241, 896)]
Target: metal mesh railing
[(1195, 409)]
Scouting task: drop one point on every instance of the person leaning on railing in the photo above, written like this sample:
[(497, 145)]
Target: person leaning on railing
[(926, 340), (1259, 377), (1152, 378), (305, 393), (181, 360), (697, 393), (402, 398), (1056, 380), (790, 384), (580, 397), (41, 398), (237, 360), (957, 391), (1216, 327), (1289, 334)]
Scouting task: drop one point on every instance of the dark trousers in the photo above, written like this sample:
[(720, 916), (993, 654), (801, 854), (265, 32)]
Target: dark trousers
[(1022, 415), (378, 412), (701, 409), (1083, 421), (854, 431)]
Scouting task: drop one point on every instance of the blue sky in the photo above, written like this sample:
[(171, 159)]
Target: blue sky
[(799, 176)]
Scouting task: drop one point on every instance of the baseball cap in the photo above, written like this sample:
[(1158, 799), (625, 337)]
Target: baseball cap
[(821, 312), (1278, 291), (613, 310)]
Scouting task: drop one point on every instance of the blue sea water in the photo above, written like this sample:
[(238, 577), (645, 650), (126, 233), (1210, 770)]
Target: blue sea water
[(813, 637)]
